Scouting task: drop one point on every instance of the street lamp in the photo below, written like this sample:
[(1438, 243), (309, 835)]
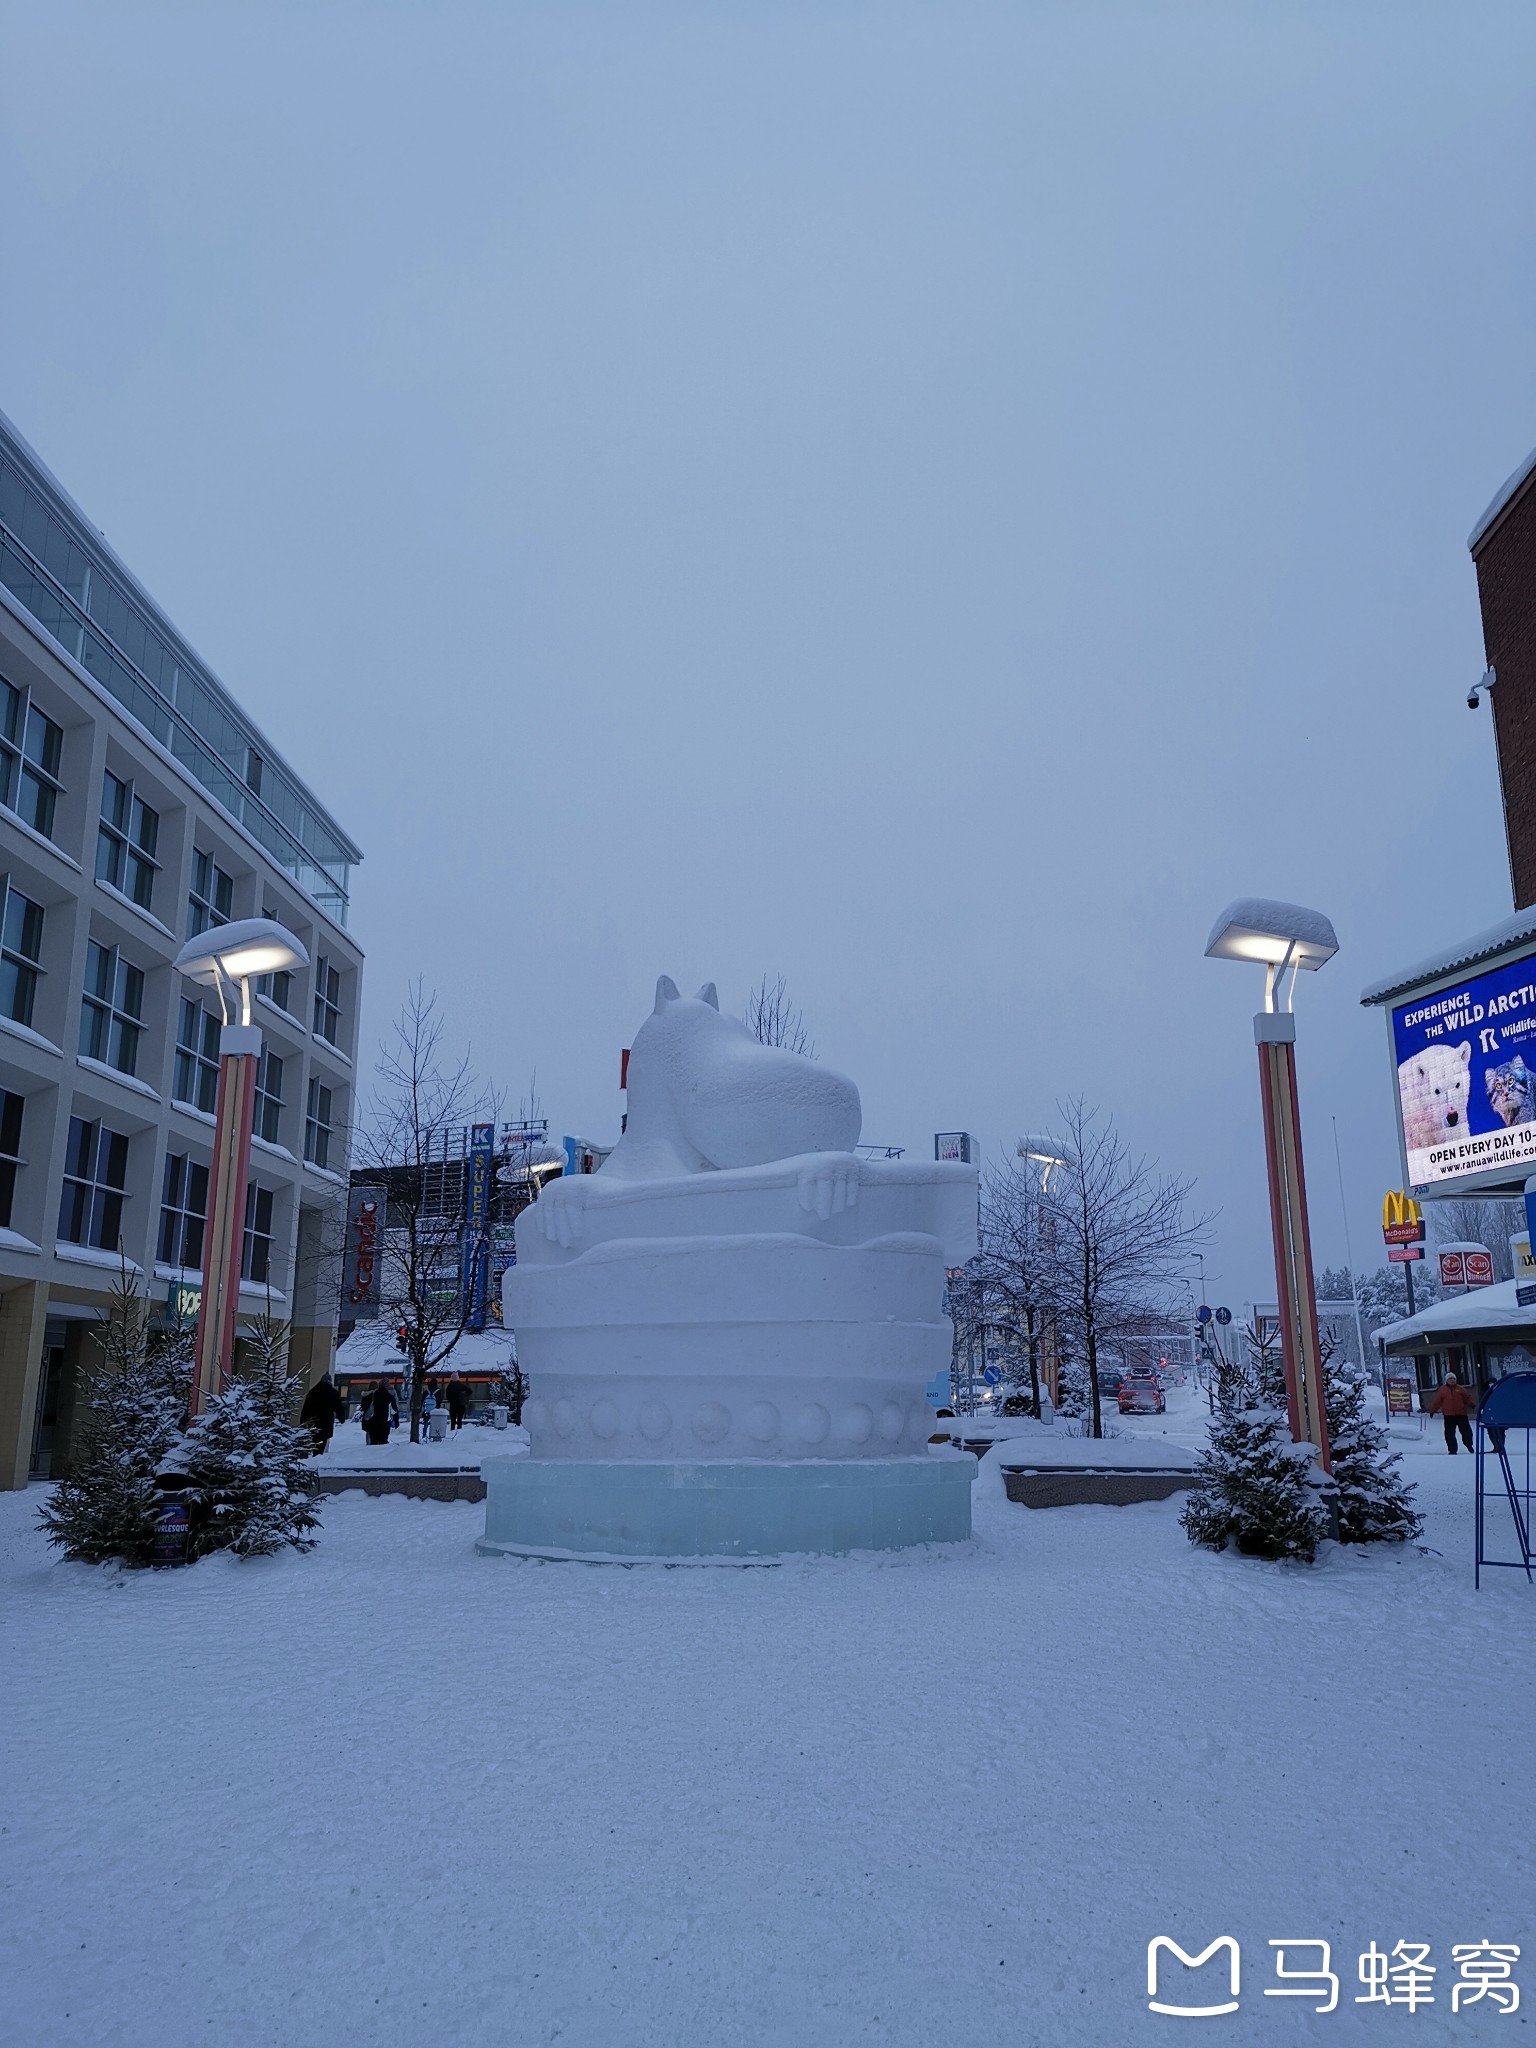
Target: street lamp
[(229, 957), (1284, 936)]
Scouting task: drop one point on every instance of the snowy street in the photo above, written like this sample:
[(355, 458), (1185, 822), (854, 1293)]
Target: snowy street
[(398, 1793)]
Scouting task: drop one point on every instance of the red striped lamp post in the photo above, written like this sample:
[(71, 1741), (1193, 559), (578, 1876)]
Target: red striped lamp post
[(229, 958), (1285, 938)]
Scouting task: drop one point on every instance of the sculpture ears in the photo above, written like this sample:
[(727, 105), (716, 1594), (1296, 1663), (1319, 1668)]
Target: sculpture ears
[(707, 995), (666, 992)]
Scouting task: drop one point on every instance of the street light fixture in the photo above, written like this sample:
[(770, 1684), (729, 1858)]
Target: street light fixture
[(1281, 936), (229, 957)]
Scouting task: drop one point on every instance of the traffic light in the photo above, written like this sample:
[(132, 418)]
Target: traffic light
[(403, 1338)]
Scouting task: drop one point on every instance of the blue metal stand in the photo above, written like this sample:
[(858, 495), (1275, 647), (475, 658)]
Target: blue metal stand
[(1509, 1404)]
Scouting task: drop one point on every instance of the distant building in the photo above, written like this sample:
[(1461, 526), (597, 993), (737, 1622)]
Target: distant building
[(140, 805)]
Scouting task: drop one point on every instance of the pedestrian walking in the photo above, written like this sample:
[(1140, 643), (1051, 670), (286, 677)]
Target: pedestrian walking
[(458, 1402), (381, 1413), (323, 1408), (1454, 1403)]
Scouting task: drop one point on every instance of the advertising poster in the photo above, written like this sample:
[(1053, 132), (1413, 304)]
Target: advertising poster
[(1466, 1091), (1399, 1397)]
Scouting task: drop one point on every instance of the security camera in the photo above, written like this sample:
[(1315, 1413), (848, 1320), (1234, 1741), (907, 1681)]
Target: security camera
[(1487, 683), (1471, 700)]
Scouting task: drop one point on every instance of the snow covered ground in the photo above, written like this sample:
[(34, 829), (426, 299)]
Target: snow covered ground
[(350, 1451), (400, 1793)]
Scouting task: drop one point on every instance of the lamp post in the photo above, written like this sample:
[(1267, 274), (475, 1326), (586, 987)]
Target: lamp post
[(1285, 937), (229, 957)]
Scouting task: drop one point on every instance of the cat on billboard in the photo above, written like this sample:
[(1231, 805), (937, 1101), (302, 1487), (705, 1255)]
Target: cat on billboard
[(1466, 1091)]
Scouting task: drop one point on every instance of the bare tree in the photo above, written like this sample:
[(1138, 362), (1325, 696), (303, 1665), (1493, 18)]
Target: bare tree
[(773, 1019), (421, 1097), (1122, 1235), (1479, 1219), (1019, 1265)]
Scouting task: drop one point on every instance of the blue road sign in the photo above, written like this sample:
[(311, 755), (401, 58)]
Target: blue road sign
[(993, 1375), (1223, 1316), (1202, 1314)]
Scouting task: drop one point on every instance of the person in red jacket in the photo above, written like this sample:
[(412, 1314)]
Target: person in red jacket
[(1453, 1403)]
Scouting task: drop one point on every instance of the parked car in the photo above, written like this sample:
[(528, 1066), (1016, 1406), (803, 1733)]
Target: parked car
[(1110, 1379)]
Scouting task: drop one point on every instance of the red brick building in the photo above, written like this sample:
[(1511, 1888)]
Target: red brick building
[(1503, 546)]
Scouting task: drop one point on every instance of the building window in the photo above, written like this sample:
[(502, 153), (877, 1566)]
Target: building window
[(95, 1176), (211, 897), (31, 746), (21, 947), (277, 988), (197, 1057), (268, 1110), (10, 1152), (183, 1212), (253, 768), (125, 841), (256, 1259), (317, 1124), (111, 1016), (327, 1001)]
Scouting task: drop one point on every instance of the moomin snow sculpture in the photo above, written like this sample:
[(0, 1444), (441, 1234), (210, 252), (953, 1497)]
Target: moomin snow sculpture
[(729, 1329)]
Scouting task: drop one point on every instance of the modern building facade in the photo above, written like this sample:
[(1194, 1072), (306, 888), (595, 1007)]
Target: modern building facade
[(1503, 547), (138, 806)]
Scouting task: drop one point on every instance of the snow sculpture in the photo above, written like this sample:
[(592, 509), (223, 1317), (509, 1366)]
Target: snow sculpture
[(736, 1287)]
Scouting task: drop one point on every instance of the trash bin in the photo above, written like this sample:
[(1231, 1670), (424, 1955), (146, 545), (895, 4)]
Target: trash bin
[(438, 1431), (498, 1416)]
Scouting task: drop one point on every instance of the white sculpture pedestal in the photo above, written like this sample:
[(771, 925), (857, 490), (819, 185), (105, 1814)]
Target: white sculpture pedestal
[(750, 1511), (728, 1341)]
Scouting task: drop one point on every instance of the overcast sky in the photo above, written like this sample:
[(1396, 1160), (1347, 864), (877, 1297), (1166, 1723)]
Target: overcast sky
[(930, 501)]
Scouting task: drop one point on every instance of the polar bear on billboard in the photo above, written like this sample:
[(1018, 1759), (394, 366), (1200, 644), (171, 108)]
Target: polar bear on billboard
[(1433, 1087)]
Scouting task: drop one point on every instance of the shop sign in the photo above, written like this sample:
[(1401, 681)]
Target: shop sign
[(1399, 1397), (362, 1259)]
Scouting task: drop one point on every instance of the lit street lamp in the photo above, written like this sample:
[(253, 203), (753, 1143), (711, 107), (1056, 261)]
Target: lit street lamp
[(1285, 937), (230, 957)]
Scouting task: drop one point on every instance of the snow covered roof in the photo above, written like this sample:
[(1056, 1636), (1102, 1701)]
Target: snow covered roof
[(371, 1348), (1485, 945), (1486, 1311), (1506, 494)]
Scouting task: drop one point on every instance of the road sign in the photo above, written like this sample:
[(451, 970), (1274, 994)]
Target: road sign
[(1223, 1316), (1202, 1314), (992, 1375)]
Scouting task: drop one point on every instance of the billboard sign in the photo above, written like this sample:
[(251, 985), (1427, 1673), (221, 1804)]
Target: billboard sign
[(477, 1213), (1479, 1268), (1466, 1092), (1404, 1254), (362, 1258), (1399, 1397), (1453, 1272), (955, 1145)]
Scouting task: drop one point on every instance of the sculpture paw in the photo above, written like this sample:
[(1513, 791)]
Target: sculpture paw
[(830, 1186), (560, 1210)]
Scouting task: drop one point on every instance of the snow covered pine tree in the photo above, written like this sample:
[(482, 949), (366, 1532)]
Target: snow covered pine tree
[(1254, 1484), (248, 1480), (135, 1405), (1376, 1504)]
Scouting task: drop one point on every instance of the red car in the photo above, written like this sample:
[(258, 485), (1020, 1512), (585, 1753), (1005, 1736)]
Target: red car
[(1141, 1393)]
